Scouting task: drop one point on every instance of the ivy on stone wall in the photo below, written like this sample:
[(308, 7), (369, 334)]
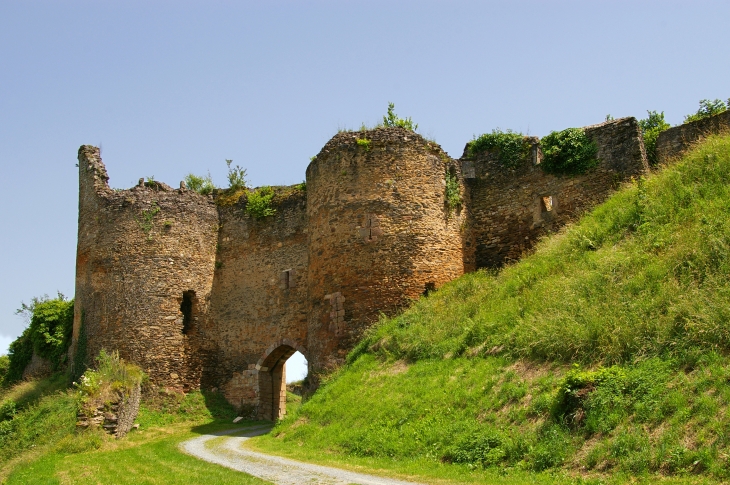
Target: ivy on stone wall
[(568, 152), (452, 194), (511, 147)]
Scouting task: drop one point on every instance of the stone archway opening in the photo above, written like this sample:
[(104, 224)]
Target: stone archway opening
[(273, 380)]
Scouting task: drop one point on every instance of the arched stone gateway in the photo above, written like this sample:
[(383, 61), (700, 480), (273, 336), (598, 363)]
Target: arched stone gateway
[(203, 294), (272, 380)]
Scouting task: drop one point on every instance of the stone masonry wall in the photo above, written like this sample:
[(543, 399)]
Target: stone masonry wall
[(673, 142), (138, 251), (201, 294), (259, 293), (379, 233), (509, 209)]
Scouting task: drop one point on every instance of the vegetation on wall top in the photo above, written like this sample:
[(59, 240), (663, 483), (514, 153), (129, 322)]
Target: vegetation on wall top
[(202, 184), (568, 152), (236, 176), (651, 126), (391, 120), (511, 147), (258, 204), (707, 109)]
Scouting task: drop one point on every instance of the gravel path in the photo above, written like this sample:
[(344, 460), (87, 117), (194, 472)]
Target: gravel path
[(275, 469)]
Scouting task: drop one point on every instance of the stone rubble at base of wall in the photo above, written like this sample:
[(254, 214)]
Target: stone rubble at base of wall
[(116, 418)]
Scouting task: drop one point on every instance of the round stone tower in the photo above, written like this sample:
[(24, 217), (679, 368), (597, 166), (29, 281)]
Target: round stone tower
[(380, 233), (144, 273)]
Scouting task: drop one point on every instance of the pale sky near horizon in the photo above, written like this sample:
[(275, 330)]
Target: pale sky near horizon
[(167, 88)]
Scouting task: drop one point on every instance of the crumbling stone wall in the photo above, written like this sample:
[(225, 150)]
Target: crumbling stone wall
[(673, 142), (37, 367), (201, 294), (115, 417), (509, 209), (139, 251), (379, 233)]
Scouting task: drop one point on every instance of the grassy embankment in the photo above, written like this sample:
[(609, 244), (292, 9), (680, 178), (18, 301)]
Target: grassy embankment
[(603, 356), (40, 443)]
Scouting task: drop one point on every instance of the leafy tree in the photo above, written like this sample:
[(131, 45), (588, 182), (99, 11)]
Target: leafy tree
[(48, 334), (650, 128), (707, 108)]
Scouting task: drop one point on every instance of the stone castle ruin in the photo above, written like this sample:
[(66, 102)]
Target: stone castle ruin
[(202, 295)]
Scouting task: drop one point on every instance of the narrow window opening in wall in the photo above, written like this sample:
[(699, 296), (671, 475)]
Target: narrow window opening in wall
[(186, 308), (547, 203), (535, 154), (286, 279), (430, 287)]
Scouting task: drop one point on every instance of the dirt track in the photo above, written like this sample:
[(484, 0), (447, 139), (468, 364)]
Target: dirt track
[(224, 448)]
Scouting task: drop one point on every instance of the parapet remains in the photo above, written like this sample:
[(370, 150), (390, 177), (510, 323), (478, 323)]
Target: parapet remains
[(202, 295)]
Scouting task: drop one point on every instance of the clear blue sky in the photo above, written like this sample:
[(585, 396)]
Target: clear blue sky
[(169, 88)]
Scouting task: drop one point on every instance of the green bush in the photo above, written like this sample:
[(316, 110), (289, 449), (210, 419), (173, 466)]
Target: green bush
[(259, 203), (511, 147), (8, 409), (201, 184), (392, 120), (48, 335), (365, 143), (568, 152), (650, 128), (707, 108)]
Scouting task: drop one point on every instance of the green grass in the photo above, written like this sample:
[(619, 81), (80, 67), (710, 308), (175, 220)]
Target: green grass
[(604, 356), (151, 458), (40, 444)]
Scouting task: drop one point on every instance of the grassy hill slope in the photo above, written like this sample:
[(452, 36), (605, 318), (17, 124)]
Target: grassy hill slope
[(604, 351)]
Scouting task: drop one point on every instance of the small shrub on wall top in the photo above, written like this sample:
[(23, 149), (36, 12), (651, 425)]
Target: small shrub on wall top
[(511, 147), (391, 120), (708, 108), (650, 129), (568, 152), (236, 176), (259, 203), (202, 184)]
